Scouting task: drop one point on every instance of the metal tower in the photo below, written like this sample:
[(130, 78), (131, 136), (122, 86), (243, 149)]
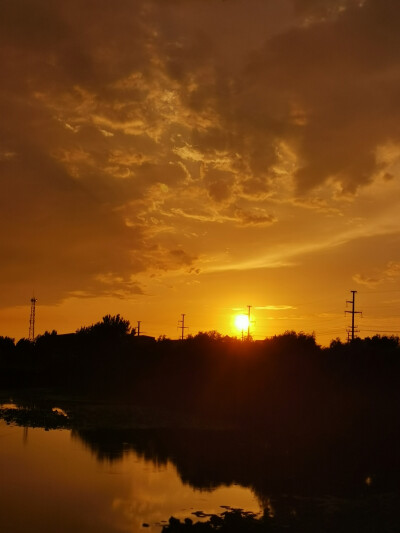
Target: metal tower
[(32, 319)]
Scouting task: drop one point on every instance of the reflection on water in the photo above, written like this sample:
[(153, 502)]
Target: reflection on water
[(59, 411), (206, 459), (8, 406), (54, 484), (117, 480)]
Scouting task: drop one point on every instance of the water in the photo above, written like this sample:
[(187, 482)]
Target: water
[(117, 480), (99, 482)]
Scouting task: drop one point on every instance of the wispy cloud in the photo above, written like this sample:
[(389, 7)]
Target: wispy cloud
[(274, 307), (390, 273)]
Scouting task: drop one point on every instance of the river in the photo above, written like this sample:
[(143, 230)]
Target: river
[(131, 477), (55, 481)]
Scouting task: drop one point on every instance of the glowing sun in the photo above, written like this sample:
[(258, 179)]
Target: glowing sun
[(242, 322)]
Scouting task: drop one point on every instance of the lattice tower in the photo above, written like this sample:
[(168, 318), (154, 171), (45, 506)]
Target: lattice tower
[(32, 319)]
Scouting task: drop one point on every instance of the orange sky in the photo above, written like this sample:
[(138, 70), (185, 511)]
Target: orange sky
[(160, 157)]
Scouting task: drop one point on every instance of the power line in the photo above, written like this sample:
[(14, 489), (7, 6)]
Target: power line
[(382, 330)]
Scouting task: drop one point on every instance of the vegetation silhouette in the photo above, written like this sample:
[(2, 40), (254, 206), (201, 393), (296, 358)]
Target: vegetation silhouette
[(110, 328), (282, 416), (286, 385), (348, 519)]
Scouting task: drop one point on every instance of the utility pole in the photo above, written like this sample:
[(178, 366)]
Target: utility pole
[(248, 326), (182, 326), (32, 319), (138, 328), (353, 312)]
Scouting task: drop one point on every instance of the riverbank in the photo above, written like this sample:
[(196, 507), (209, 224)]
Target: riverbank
[(369, 515), (51, 409)]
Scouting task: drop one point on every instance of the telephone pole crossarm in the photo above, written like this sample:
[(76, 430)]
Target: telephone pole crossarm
[(182, 326)]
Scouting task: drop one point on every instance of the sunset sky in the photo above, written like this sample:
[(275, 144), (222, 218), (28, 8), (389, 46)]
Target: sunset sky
[(160, 157)]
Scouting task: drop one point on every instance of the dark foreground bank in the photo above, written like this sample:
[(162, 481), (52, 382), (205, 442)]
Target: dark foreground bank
[(372, 516)]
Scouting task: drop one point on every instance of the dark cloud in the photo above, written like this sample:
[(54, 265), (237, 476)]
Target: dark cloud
[(181, 257), (55, 232), (116, 117), (343, 75), (219, 184), (254, 218)]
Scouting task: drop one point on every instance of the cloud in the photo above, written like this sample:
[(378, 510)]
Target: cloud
[(134, 131), (392, 270), (181, 257), (256, 217), (219, 184), (275, 307), (344, 87), (312, 11), (55, 234), (366, 280), (388, 274)]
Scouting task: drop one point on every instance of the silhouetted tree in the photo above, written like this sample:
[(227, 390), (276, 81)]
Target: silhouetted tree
[(7, 345), (110, 326), (24, 345)]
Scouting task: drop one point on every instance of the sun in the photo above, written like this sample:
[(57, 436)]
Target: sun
[(242, 322)]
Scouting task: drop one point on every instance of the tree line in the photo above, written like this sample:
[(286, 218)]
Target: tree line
[(286, 382)]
